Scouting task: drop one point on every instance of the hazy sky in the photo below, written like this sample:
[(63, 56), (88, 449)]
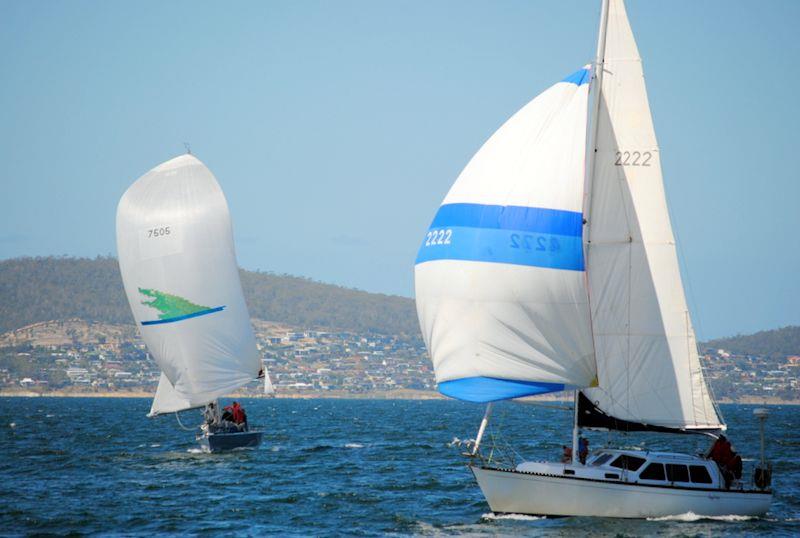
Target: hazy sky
[(336, 127)]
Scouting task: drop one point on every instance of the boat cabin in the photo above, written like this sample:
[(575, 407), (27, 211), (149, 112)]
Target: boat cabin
[(638, 467)]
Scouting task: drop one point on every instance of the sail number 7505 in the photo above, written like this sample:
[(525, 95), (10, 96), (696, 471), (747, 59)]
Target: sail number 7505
[(158, 232)]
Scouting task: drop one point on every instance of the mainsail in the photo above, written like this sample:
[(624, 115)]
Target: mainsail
[(178, 265), (500, 284), (648, 367)]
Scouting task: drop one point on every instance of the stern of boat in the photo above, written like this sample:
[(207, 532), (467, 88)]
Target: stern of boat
[(222, 442)]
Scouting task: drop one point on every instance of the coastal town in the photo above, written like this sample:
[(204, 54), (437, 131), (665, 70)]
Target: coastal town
[(78, 357)]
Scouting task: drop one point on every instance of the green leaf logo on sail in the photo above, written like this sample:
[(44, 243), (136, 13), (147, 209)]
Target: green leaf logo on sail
[(173, 307)]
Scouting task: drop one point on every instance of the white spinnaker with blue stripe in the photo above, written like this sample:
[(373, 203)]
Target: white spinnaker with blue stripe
[(500, 284), (175, 245)]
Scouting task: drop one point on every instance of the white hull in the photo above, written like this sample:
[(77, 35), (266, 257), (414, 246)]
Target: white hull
[(518, 492)]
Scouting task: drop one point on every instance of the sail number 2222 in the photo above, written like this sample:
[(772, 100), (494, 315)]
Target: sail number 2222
[(633, 158), (438, 237), (533, 242)]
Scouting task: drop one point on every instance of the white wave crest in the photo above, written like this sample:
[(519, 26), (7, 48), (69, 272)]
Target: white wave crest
[(513, 517), (354, 445), (691, 516)]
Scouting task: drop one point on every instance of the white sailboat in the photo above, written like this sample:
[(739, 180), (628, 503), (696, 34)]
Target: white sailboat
[(549, 268), (178, 265)]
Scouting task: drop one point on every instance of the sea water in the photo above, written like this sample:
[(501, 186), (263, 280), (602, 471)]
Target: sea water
[(326, 468)]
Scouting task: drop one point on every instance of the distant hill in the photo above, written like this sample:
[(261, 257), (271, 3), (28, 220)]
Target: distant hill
[(59, 288), (777, 342), (33, 290)]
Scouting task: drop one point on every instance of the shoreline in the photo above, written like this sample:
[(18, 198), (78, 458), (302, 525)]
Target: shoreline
[(402, 394)]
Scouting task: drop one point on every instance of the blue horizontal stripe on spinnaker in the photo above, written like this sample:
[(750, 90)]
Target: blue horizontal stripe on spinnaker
[(532, 236), (491, 389), (181, 318), (579, 77), (510, 217)]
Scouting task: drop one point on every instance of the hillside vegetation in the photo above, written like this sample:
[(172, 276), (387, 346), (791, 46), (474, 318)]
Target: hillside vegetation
[(777, 342), (57, 288)]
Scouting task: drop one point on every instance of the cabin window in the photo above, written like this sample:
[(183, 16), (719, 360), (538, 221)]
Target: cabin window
[(601, 459), (699, 474), (677, 473), (625, 461), (654, 471)]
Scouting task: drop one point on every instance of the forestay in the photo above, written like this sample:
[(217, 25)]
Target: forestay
[(178, 266), (648, 366), (500, 283)]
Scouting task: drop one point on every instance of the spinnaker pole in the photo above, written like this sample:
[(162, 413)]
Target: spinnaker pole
[(482, 429)]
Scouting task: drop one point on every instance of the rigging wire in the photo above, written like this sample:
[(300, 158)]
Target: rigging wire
[(501, 445)]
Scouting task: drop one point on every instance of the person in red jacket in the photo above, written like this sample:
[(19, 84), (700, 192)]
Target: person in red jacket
[(728, 461), (238, 415), (720, 451)]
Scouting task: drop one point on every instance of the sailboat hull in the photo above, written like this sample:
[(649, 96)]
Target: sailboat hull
[(511, 491), (222, 442)]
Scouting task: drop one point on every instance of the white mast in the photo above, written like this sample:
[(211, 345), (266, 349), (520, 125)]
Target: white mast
[(597, 84)]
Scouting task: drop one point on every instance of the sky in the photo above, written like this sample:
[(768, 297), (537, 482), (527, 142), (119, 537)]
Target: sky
[(336, 128)]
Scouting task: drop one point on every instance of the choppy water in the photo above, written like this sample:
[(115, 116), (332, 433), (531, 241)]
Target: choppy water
[(327, 467)]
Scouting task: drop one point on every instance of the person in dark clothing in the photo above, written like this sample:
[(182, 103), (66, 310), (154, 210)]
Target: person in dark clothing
[(583, 449), (735, 466)]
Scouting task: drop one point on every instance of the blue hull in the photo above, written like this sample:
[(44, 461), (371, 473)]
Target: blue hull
[(221, 442)]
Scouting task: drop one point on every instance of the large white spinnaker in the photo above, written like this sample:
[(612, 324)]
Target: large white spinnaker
[(500, 283), (649, 372), (178, 265)]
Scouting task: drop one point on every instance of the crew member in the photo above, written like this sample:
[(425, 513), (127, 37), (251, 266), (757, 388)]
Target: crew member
[(583, 449), (566, 456), (211, 414)]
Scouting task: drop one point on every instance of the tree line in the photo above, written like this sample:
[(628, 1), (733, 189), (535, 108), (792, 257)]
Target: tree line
[(35, 289)]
